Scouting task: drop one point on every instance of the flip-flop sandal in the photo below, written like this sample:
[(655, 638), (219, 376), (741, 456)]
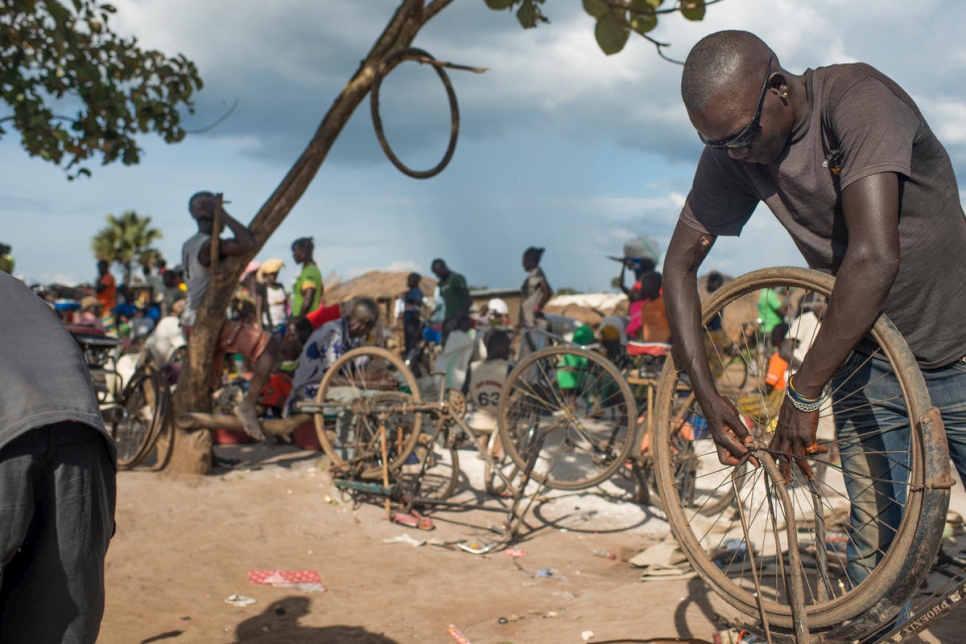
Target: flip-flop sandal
[(424, 522), (404, 519), (414, 520)]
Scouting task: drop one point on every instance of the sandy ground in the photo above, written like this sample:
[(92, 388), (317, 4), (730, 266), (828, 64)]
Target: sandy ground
[(183, 547)]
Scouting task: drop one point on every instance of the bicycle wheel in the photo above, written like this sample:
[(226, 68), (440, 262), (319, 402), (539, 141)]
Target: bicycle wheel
[(867, 532), (734, 372), (580, 404), (432, 470), (139, 416), (694, 460), (354, 410)]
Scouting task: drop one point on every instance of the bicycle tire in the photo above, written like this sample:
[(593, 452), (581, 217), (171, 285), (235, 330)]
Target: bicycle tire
[(900, 563), (735, 372), (364, 411), (161, 442), (383, 70), (139, 416), (433, 469), (592, 425), (163, 448)]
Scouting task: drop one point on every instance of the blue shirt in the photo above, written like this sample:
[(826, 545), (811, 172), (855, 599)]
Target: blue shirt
[(414, 303)]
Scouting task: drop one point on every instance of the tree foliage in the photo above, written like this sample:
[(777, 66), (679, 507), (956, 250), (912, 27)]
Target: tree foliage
[(616, 19), (76, 90), (126, 240)]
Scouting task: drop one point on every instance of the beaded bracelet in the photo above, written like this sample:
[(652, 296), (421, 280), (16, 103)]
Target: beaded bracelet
[(800, 402)]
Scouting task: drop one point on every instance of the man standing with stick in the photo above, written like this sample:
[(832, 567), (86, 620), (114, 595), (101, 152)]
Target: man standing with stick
[(201, 255)]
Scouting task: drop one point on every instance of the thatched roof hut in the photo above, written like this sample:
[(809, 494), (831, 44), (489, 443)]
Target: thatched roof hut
[(375, 284)]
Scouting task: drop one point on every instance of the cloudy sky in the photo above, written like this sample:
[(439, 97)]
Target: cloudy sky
[(560, 146)]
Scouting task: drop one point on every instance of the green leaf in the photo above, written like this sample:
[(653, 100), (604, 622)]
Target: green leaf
[(611, 33), (596, 8), (643, 24), (499, 4), (527, 14), (693, 9), (643, 18)]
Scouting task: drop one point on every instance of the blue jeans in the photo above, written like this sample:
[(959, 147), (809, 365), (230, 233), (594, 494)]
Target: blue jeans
[(872, 429)]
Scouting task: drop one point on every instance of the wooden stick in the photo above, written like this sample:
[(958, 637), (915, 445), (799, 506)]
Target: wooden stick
[(278, 426), (215, 239), (385, 464)]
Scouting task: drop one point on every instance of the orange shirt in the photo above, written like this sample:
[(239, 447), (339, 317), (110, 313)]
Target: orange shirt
[(107, 297), (777, 366)]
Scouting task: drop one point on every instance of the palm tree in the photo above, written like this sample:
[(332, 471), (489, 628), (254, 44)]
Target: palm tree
[(126, 240)]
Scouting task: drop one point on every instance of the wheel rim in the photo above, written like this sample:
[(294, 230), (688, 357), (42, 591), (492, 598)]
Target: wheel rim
[(717, 546), (432, 470), (354, 411), (135, 419), (581, 407)]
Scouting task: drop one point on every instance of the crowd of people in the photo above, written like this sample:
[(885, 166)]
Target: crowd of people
[(276, 343)]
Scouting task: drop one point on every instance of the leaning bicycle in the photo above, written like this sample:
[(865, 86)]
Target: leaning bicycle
[(135, 412)]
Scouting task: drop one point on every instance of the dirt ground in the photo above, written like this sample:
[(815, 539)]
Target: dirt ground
[(183, 547)]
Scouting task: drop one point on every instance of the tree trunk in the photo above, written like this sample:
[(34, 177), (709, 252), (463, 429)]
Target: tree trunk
[(192, 450)]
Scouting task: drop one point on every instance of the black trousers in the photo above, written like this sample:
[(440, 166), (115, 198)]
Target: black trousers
[(411, 330), (57, 498)]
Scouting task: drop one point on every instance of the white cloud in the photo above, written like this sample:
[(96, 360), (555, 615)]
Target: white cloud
[(949, 122)]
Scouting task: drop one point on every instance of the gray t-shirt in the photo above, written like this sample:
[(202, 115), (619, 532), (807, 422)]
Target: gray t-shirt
[(44, 378), (197, 276), (875, 127)]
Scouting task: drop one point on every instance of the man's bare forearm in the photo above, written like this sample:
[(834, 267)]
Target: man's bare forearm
[(243, 236), (686, 252), (861, 289)]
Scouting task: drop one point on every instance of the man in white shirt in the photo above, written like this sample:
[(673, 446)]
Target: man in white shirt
[(256, 345), (167, 337)]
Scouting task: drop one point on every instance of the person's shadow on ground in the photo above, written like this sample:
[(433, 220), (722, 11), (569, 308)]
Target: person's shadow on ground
[(279, 624)]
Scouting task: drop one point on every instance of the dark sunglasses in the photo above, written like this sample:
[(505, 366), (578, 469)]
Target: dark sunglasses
[(744, 137)]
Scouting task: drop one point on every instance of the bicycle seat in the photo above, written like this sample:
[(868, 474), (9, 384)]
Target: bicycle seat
[(91, 338), (656, 349)]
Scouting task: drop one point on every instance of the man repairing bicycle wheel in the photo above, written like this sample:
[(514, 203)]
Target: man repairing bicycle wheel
[(846, 162)]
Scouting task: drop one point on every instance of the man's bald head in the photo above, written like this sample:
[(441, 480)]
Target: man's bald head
[(362, 317), (201, 204), (364, 308), (720, 61)]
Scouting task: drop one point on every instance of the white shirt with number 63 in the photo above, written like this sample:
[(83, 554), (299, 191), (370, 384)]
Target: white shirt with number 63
[(483, 393)]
